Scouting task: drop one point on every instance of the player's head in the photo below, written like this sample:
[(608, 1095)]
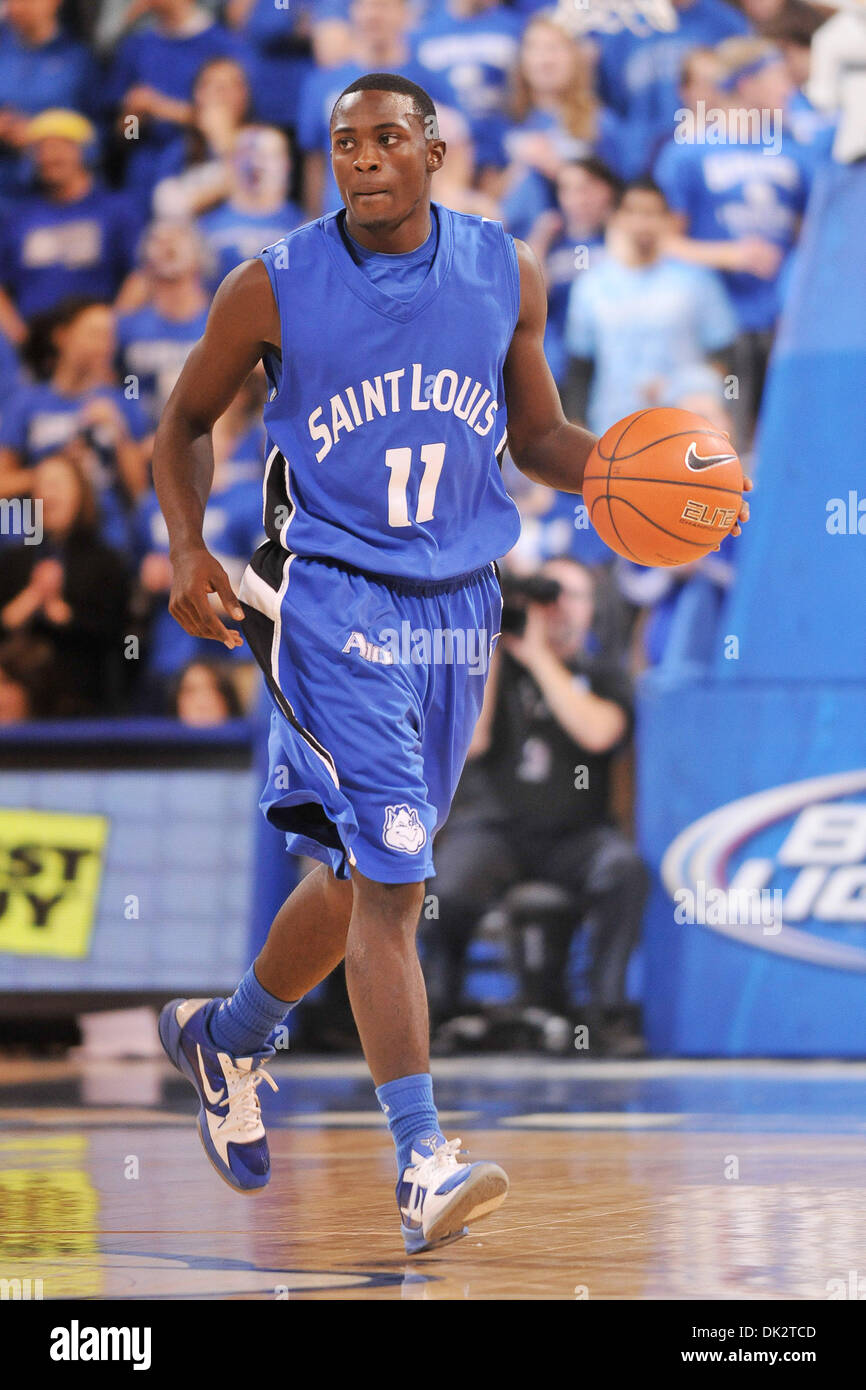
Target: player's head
[(570, 618), (385, 148), (642, 218)]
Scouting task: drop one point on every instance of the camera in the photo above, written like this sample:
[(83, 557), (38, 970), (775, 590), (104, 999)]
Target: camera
[(518, 592)]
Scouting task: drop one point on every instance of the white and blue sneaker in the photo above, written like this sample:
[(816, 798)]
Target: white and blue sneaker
[(438, 1196), (230, 1119)]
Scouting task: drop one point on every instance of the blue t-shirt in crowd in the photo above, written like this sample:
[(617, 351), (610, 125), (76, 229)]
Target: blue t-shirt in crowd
[(153, 348), (170, 63), (320, 92), (280, 64), (640, 325), (50, 250), (730, 191), (39, 420), (235, 236), (476, 53), (639, 74), (33, 77)]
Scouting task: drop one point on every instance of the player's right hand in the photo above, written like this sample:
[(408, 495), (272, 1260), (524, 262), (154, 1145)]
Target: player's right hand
[(196, 575)]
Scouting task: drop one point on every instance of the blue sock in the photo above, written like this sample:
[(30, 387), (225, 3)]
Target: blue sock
[(412, 1119), (243, 1023)]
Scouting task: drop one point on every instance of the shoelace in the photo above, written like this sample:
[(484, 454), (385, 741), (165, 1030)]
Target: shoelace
[(242, 1104), (443, 1156)]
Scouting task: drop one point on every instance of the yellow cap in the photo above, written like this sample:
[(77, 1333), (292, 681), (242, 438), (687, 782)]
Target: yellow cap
[(67, 125)]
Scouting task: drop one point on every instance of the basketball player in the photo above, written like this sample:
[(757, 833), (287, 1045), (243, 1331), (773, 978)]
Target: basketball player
[(398, 338)]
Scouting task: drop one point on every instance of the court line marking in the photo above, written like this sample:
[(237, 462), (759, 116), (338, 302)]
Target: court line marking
[(613, 1119), (498, 1066), (366, 1119), (493, 1066)]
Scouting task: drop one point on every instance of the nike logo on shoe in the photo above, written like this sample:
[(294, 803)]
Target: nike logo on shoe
[(212, 1097), (698, 462)]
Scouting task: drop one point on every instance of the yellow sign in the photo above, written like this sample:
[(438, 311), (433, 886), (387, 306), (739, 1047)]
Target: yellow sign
[(49, 1240), (50, 870)]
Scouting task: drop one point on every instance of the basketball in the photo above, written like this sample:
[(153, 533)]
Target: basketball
[(663, 486)]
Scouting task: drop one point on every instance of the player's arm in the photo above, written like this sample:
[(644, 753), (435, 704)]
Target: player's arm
[(542, 442), (242, 325)]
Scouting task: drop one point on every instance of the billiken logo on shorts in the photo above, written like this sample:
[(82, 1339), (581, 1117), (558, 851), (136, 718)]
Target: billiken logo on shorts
[(801, 846), (403, 830)]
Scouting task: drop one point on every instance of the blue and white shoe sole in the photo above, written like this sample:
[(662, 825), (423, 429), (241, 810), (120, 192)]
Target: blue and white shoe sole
[(481, 1193), (169, 1036)]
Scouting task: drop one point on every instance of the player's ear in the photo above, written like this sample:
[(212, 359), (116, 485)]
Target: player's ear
[(435, 155)]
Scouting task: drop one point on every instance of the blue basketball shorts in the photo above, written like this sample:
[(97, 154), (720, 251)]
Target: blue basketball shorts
[(376, 687)]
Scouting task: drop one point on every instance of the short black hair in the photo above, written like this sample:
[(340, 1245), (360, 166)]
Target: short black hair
[(597, 169), (422, 102), (641, 185)]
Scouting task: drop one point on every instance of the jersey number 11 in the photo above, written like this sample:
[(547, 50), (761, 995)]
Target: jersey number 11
[(399, 461)]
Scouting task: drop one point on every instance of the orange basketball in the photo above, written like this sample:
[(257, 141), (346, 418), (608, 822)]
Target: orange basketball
[(663, 486)]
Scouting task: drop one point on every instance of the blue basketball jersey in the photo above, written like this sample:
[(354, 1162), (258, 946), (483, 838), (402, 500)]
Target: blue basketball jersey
[(386, 417)]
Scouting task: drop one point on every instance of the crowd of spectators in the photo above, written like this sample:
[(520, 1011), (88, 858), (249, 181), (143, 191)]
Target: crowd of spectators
[(659, 168), (146, 148)]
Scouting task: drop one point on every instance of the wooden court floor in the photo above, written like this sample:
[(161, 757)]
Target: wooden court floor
[(629, 1181)]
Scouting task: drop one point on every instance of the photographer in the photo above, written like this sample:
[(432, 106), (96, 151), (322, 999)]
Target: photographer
[(534, 804)]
